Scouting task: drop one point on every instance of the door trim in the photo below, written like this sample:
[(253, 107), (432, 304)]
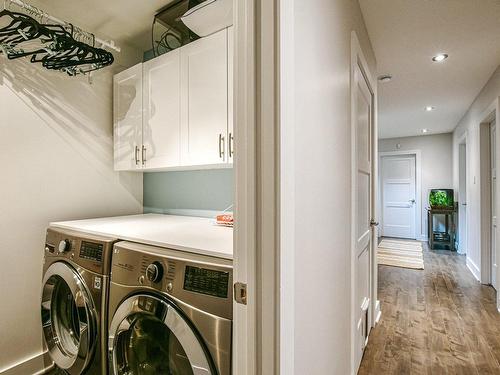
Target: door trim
[(419, 228), (491, 113), (256, 334), (462, 140), (358, 60)]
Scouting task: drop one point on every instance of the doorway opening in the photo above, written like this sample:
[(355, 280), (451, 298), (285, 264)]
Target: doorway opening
[(488, 191)]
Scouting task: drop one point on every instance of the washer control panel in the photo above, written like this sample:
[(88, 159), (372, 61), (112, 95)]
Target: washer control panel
[(88, 251), (91, 251)]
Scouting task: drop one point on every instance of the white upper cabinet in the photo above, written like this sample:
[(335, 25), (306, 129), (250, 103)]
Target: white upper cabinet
[(175, 111), (161, 122), (127, 109), (204, 100)]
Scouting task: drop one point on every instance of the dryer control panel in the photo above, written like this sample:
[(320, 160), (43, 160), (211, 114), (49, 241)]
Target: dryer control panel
[(200, 281), (206, 281)]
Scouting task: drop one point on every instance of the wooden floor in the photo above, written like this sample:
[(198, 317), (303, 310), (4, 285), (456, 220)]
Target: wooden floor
[(434, 321)]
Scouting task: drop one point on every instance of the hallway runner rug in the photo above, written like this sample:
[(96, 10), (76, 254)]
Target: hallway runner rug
[(401, 253)]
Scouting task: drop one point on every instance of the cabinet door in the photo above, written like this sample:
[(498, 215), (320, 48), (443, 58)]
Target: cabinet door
[(204, 100), (127, 118), (161, 129), (230, 85)]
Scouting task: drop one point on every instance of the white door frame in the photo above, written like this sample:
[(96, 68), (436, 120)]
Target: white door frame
[(358, 59), (419, 230), (287, 188), (463, 141), (256, 166), (491, 113)]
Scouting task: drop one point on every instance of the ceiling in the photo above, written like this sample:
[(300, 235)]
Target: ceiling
[(406, 34), (126, 21)]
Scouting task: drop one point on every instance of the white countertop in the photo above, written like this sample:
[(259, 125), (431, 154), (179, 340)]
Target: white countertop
[(192, 234)]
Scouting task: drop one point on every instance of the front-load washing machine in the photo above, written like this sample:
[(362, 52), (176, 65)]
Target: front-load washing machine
[(74, 300), (170, 312)]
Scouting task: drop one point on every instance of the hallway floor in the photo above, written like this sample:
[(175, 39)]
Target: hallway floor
[(436, 321)]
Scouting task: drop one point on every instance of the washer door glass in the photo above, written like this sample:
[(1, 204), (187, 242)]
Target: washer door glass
[(67, 319), (149, 336)]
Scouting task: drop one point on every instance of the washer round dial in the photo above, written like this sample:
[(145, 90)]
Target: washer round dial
[(154, 272), (64, 246)]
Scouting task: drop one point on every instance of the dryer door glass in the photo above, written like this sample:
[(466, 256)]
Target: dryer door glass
[(68, 326), (150, 336)]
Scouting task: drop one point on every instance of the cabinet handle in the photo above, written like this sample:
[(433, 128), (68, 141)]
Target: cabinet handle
[(143, 155), (231, 142), (136, 155), (221, 146)]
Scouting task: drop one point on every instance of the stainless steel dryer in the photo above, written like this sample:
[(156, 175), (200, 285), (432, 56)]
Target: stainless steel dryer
[(74, 300), (170, 312)]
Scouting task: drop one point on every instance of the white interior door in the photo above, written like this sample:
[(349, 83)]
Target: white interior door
[(462, 198), (398, 196), (363, 213), (494, 267)]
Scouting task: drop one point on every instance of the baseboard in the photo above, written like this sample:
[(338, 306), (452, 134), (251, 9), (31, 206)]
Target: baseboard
[(34, 365), (423, 238), (473, 269), (378, 312)]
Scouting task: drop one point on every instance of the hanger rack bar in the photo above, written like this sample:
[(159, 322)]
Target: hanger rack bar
[(105, 43)]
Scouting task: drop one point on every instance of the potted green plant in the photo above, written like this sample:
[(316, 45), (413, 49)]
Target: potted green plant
[(441, 198)]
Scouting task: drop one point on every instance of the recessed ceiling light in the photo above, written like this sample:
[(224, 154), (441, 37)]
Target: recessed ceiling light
[(430, 108), (385, 78), (440, 57), (425, 130)]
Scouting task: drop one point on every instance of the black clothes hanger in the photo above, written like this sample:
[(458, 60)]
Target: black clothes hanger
[(57, 49), (19, 28), (72, 56)]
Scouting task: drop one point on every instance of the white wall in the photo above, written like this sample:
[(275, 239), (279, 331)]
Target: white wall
[(469, 125), (56, 152), (436, 164), (318, 163)]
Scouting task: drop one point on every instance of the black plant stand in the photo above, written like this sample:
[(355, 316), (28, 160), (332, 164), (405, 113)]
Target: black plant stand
[(442, 240)]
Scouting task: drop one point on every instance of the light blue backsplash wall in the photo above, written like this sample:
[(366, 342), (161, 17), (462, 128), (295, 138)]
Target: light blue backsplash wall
[(193, 193)]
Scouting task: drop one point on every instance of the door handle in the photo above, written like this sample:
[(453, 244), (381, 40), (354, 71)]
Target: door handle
[(464, 204), (412, 201), (374, 223), (143, 155)]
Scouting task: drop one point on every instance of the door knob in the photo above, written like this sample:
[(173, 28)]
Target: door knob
[(373, 223), (412, 201)]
